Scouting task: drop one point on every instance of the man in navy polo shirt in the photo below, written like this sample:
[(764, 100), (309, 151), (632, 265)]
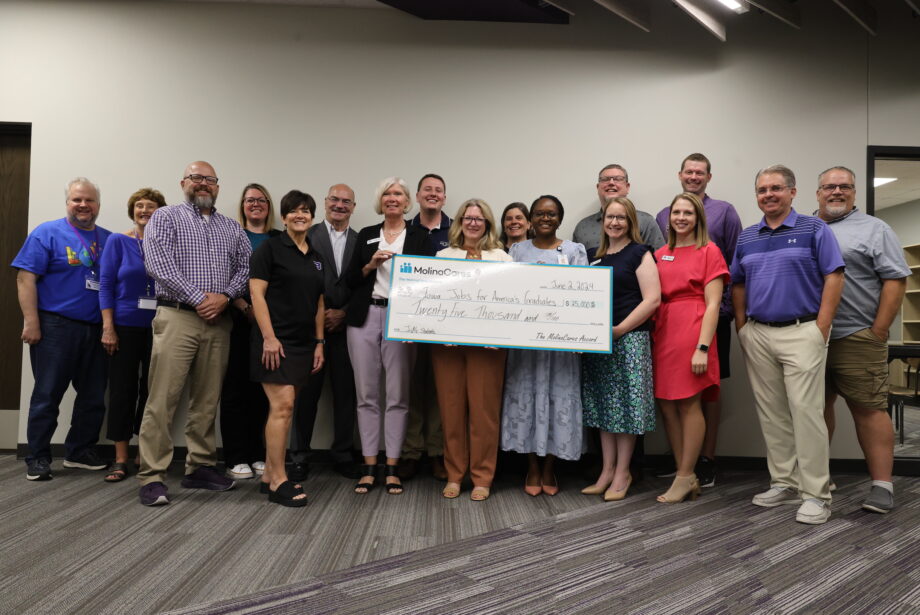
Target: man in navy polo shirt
[(423, 431), (787, 277), (58, 288)]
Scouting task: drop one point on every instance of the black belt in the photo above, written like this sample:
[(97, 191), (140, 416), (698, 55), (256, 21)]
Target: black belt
[(176, 305), (380, 302), (787, 323)]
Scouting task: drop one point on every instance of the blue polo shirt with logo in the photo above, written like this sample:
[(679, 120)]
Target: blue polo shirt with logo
[(783, 269)]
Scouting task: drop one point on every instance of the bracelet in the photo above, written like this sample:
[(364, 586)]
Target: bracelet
[(321, 341)]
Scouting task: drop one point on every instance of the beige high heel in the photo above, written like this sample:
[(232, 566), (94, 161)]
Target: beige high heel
[(596, 488), (614, 496), (682, 488)]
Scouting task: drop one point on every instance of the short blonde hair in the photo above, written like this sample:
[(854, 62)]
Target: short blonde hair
[(699, 232), (489, 239), (632, 231), (386, 185)]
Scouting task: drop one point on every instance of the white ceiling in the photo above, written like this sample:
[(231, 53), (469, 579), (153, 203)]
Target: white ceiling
[(904, 190), (350, 4)]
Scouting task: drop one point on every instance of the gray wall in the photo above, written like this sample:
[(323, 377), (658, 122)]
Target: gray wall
[(128, 92)]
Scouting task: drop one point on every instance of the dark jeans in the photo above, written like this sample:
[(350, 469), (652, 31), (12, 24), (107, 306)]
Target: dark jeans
[(243, 405), (338, 366), (69, 352), (128, 369)]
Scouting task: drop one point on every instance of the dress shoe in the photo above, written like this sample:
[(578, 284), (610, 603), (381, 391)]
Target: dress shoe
[(532, 490), (682, 488), (407, 469), (596, 488), (298, 472), (551, 489), (437, 468), (612, 495), (348, 469)]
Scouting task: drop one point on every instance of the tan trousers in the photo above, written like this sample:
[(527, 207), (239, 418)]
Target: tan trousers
[(185, 349), (786, 368), (423, 427), (470, 381)]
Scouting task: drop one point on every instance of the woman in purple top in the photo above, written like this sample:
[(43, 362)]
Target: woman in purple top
[(128, 304)]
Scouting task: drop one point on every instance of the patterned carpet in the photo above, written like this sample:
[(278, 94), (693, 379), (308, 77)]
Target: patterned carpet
[(76, 545)]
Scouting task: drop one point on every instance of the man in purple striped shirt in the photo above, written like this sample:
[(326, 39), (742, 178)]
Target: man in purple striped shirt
[(200, 261)]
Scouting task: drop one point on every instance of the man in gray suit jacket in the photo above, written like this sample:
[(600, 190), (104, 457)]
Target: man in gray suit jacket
[(335, 241)]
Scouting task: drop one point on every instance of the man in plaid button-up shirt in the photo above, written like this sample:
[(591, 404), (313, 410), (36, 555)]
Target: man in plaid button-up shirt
[(200, 261)]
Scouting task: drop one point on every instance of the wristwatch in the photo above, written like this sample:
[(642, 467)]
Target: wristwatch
[(321, 341), (702, 347)]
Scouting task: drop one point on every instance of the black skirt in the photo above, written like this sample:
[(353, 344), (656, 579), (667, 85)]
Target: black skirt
[(295, 367)]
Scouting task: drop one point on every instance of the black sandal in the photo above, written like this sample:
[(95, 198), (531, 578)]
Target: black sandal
[(366, 470), (393, 488), (286, 495), (117, 473)]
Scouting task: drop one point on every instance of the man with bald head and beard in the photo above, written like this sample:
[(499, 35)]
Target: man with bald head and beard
[(200, 262), (58, 289)]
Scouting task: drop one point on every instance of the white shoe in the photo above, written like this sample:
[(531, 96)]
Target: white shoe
[(240, 471), (258, 467), (813, 512), (776, 496)]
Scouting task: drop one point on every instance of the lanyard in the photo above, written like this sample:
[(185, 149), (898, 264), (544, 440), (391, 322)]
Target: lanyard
[(91, 252), (140, 251)]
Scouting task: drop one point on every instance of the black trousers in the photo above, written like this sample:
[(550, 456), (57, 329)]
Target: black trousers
[(128, 369), (344, 404), (243, 405)]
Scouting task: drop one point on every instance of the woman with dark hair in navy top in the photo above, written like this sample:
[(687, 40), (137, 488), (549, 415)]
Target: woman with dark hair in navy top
[(128, 304)]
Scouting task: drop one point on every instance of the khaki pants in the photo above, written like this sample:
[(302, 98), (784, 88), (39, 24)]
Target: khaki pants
[(423, 431), (786, 368), (185, 348)]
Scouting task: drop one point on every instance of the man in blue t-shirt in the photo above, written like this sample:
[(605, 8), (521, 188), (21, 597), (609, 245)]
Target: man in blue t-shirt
[(787, 276), (58, 288)]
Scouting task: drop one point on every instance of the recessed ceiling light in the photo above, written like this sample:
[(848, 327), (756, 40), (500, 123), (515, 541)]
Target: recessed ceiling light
[(881, 181), (733, 5)]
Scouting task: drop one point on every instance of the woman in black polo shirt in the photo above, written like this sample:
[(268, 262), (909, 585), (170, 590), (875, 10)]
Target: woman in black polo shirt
[(286, 284)]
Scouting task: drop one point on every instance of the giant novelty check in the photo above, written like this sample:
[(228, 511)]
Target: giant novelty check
[(510, 305)]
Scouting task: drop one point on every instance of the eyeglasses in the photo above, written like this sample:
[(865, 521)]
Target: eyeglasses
[(619, 179), (835, 187), (473, 220), (616, 217), (335, 199), (252, 201), (776, 188), (197, 179)]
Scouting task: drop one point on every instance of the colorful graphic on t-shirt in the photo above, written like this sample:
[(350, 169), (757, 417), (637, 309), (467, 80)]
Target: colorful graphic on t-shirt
[(84, 257)]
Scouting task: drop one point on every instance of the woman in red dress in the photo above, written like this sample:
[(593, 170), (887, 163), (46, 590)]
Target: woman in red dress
[(685, 359)]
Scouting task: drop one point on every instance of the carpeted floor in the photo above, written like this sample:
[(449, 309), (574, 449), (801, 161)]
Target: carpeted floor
[(76, 545)]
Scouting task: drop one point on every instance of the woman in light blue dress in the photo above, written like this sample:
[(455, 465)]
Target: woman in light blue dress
[(542, 400)]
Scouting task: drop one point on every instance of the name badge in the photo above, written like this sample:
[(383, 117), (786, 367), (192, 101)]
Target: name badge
[(374, 240), (563, 259), (146, 303), (592, 263), (667, 257), (92, 281)]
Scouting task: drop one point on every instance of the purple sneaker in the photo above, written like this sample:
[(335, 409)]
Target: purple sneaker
[(206, 477), (154, 494)]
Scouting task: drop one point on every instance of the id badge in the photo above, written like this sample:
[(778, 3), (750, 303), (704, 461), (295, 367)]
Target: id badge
[(563, 259), (92, 281), (667, 257), (146, 303)]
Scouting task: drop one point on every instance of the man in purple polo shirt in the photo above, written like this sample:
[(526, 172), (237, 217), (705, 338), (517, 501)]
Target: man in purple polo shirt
[(200, 261), (787, 277), (724, 225)]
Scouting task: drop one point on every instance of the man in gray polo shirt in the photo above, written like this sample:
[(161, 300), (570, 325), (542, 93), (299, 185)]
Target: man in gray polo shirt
[(613, 181), (857, 356)]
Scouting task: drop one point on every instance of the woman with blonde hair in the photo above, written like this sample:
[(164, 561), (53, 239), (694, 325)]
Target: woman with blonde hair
[(686, 362), (369, 277), (469, 379)]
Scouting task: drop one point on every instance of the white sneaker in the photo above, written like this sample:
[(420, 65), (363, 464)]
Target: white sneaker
[(813, 512), (776, 496), (258, 467), (239, 471)]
